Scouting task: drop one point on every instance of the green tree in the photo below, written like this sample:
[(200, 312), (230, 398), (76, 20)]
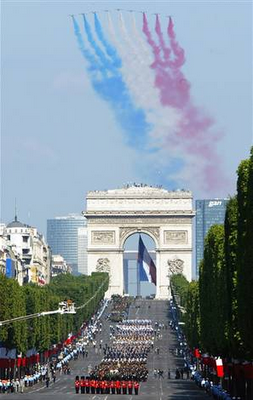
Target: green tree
[(212, 285), (179, 286), (230, 294), (12, 305), (43, 332), (242, 192), (192, 315), (245, 253)]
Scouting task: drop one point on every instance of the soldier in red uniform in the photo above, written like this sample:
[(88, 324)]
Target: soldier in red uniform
[(136, 387), (118, 387), (101, 386), (82, 384), (130, 387), (77, 384), (92, 386), (112, 386), (97, 386), (87, 385), (124, 387), (107, 387)]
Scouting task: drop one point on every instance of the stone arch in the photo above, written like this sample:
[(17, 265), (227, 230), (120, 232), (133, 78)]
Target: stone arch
[(133, 285), (114, 215), (127, 232)]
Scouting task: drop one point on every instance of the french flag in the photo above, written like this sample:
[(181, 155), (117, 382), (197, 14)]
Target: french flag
[(146, 266)]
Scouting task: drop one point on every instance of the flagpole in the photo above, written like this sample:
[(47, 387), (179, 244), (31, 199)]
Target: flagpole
[(138, 274)]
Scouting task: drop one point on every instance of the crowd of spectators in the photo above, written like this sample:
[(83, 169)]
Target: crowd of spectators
[(191, 364), (46, 373)]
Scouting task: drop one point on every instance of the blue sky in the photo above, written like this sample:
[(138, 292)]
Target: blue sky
[(60, 140)]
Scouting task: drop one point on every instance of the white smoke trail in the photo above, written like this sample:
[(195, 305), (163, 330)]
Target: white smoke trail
[(140, 78)]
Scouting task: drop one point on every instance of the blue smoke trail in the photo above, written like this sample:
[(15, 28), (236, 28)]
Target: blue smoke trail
[(104, 60), (112, 88), (110, 50), (94, 65)]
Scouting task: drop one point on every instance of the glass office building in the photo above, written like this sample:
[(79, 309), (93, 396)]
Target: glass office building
[(62, 237), (208, 213), (82, 251)]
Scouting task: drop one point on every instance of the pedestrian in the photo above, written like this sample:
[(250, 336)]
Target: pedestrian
[(177, 374), (21, 385)]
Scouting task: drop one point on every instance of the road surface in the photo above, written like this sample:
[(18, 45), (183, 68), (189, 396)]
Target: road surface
[(153, 389)]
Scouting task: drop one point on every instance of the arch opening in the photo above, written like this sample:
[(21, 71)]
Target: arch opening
[(135, 283)]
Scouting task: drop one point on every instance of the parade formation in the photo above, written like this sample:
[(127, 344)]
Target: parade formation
[(123, 366), (126, 357)]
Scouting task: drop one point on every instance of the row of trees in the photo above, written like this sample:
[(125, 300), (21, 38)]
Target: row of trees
[(42, 332), (219, 308)]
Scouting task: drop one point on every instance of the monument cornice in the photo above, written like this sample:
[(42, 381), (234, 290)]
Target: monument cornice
[(140, 220), (105, 250), (123, 213), (135, 192), (174, 250)]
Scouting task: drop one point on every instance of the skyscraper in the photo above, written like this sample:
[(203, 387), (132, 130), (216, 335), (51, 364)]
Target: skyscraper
[(208, 213), (62, 237), (82, 251)]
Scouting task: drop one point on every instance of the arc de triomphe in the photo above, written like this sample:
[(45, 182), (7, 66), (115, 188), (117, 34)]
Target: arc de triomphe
[(114, 215)]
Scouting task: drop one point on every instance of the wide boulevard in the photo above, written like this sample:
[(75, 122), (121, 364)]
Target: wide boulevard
[(153, 389)]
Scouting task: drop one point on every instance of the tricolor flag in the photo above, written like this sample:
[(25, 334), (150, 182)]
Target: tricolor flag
[(219, 367), (146, 266)]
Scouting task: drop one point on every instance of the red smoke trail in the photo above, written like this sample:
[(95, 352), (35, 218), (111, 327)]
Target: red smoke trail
[(194, 129), (166, 50), (174, 88), (156, 50), (177, 50)]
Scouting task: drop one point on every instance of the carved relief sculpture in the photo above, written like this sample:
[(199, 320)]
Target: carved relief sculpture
[(103, 265), (175, 237), (103, 237), (176, 266), (125, 231)]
